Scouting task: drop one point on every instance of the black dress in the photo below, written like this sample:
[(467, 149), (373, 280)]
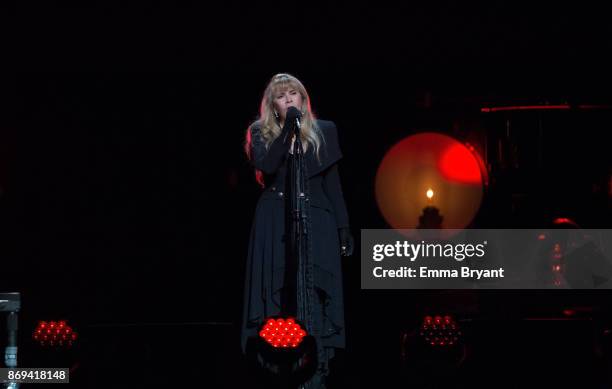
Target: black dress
[(265, 263)]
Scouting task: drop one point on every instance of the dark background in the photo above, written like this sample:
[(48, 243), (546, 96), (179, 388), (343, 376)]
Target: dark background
[(127, 199)]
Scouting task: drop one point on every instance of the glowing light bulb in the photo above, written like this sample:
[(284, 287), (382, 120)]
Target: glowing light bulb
[(430, 193)]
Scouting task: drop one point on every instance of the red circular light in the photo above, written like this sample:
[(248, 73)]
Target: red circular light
[(433, 161)]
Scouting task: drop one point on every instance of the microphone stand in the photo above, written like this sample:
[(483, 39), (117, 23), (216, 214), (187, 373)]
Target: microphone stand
[(299, 274), (301, 235), (299, 271)]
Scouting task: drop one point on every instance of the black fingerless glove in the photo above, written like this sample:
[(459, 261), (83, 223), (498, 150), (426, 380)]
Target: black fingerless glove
[(347, 242)]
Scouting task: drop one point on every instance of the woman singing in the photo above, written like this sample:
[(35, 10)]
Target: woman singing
[(269, 146)]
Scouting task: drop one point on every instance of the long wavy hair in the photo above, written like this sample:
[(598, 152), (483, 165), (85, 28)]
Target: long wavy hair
[(269, 125)]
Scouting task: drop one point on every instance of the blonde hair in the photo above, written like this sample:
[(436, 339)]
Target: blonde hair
[(269, 126)]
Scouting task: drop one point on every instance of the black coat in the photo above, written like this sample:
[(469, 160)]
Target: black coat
[(265, 261)]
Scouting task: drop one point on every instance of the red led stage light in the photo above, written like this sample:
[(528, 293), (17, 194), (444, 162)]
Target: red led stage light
[(440, 331), (54, 334), (282, 332)]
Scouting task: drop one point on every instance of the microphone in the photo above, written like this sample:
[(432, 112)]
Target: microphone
[(292, 113)]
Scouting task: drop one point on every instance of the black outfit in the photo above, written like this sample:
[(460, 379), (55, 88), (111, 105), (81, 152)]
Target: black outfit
[(266, 254)]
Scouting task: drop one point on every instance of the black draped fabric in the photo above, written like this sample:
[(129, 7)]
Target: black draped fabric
[(265, 267)]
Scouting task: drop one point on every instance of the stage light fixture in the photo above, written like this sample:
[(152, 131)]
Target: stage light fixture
[(440, 331), (54, 334)]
